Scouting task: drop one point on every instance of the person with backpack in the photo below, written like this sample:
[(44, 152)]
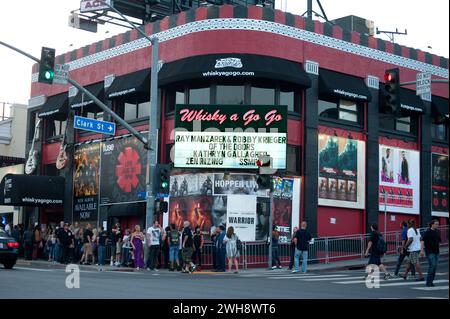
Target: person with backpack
[(415, 249), (377, 248), (402, 250), (173, 237)]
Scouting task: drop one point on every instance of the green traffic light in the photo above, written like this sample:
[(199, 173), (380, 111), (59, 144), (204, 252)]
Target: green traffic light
[(49, 75), (164, 184)]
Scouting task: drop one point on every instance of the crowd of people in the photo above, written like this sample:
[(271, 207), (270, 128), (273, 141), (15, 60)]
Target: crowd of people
[(171, 248)]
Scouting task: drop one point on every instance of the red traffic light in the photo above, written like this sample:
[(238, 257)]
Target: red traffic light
[(388, 77)]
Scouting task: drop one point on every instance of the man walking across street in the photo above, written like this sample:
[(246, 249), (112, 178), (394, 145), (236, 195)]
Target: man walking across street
[(415, 249), (154, 235), (402, 250), (302, 240), (374, 250), (430, 242)]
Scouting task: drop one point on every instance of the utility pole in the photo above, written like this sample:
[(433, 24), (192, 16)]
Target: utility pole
[(391, 34), (152, 152)]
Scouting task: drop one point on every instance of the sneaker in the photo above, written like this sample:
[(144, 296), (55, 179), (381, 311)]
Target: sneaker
[(420, 279), (274, 267), (294, 272), (148, 269), (280, 267), (236, 272), (156, 269), (193, 268), (430, 285), (387, 276)]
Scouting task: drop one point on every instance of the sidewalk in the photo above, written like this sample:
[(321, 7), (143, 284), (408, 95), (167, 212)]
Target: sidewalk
[(390, 260)]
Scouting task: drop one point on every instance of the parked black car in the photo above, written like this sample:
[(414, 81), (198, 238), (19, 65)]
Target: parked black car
[(9, 250)]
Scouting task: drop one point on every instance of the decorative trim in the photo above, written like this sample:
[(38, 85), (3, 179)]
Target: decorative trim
[(261, 26), (373, 82), (312, 67)]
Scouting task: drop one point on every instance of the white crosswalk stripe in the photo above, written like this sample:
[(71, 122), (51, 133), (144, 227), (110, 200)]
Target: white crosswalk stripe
[(306, 277), (431, 288)]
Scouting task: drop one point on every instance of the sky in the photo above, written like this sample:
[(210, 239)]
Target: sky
[(31, 24)]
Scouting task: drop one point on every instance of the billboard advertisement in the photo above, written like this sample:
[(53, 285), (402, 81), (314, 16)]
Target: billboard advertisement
[(241, 215), (123, 171), (439, 182), (86, 182), (341, 172), (231, 136), (399, 180)]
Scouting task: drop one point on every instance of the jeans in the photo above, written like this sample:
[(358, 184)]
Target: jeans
[(101, 251), (291, 262), (51, 252), (432, 262), (125, 256), (173, 253), (198, 256), (153, 256), (275, 258), (401, 257), (57, 252), (304, 254)]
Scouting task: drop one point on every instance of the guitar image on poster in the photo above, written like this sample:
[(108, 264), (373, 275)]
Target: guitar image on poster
[(61, 159), (32, 160)]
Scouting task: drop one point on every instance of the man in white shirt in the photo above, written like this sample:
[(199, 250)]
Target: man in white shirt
[(8, 228), (415, 250), (154, 236)]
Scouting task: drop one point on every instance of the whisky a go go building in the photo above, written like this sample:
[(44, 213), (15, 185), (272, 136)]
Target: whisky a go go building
[(238, 83)]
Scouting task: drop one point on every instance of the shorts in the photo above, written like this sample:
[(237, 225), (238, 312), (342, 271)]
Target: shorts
[(413, 257), (187, 255), (87, 249), (119, 248), (374, 259)]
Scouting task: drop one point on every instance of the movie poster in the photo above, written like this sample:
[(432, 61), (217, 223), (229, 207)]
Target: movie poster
[(399, 180), (123, 171), (190, 184), (282, 207), (235, 184), (262, 218), (86, 182), (341, 172), (440, 187), (195, 209), (241, 215)]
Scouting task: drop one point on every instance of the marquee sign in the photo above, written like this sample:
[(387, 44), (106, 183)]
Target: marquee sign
[(231, 136)]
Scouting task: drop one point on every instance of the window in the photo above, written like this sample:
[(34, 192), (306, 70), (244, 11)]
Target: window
[(173, 98), (403, 124), (199, 96), (439, 131), (132, 111), (341, 110), (55, 128), (293, 160), (262, 96), (290, 98), (229, 94)]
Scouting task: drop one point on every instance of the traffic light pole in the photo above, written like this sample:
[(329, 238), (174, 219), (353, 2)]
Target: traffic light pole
[(152, 153)]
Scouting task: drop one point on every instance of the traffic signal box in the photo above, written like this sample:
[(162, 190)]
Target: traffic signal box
[(162, 179), (392, 91), (47, 66)]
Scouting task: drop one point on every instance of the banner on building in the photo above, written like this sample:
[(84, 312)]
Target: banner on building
[(399, 180), (123, 171), (282, 207), (231, 136), (191, 184), (86, 182), (440, 187), (241, 214), (234, 184), (341, 172)]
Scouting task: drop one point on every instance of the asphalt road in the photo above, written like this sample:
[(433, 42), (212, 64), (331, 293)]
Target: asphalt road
[(50, 282)]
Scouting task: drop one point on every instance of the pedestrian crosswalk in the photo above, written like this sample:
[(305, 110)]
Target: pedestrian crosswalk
[(348, 278)]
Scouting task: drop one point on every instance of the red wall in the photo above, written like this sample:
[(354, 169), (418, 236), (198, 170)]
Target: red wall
[(348, 221), (395, 225)]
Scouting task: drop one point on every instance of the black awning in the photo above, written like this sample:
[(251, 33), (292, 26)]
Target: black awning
[(131, 87), (79, 100), (439, 106), (129, 209), (233, 67), (346, 86), (55, 107), (410, 102), (31, 190)]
